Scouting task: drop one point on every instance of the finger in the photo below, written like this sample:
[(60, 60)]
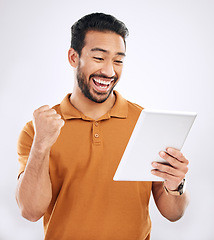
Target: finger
[(171, 160), (175, 163), (160, 167), (43, 108), (51, 112), (61, 123), (40, 110), (177, 154), (164, 175), (166, 169), (171, 182), (56, 116)]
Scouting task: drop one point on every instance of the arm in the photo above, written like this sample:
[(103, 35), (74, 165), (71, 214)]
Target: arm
[(34, 190), (170, 206)]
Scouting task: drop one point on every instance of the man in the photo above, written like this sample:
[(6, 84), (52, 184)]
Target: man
[(69, 153)]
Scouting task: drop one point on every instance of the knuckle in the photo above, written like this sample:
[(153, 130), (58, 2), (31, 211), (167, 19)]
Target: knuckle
[(35, 112), (58, 122), (40, 115), (180, 154), (182, 176), (186, 170), (45, 107), (62, 122), (53, 111)]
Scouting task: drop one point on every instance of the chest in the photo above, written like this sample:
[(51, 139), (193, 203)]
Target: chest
[(88, 152)]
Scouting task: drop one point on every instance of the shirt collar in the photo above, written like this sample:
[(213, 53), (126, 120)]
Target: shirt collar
[(119, 110)]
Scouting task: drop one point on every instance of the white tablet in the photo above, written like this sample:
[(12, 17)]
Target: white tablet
[(155, 130)]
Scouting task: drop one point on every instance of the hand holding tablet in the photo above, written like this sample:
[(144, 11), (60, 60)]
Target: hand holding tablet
[(155, 131), (175, 171)]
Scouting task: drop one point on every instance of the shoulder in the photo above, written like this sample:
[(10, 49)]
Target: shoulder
[(25, 139), (134, 109), (26, 136), (127, 107), (28, 129), (134, 106)]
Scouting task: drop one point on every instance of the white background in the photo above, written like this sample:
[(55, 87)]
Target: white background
[(169, 65)]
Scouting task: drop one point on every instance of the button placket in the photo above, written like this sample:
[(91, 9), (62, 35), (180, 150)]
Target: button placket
[(96, 132)]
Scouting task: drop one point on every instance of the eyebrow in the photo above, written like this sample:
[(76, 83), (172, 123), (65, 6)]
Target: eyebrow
[(106, 51)]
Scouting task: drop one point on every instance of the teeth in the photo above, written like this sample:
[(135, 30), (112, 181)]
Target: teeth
[(101, 81), (103, 87)]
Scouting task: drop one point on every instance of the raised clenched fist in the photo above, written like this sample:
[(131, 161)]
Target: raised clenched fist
[(47, 126)]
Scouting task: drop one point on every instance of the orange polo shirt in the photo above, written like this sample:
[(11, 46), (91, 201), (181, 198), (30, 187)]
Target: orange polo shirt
[(86, 203)]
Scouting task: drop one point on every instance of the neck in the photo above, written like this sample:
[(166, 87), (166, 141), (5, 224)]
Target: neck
[(89, 108)]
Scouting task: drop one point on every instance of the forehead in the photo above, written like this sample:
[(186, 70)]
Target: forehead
[(110, 41)]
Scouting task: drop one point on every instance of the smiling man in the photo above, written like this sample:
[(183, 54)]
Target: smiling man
[(69, 153)]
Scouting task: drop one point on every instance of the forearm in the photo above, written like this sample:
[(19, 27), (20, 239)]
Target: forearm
[(34, 191), (170, 206)]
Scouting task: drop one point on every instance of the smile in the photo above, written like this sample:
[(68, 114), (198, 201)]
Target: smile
[(101, 84)]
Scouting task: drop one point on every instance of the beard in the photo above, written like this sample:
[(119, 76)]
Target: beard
[(91, 94)]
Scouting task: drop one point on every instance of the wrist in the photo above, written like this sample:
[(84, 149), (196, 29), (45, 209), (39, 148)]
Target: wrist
[(40, 146), (177, 192)]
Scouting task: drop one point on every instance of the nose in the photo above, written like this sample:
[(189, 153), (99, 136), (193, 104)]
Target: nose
[(108, 69)]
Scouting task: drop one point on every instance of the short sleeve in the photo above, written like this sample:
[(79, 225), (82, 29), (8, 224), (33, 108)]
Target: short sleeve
[(24, 144)]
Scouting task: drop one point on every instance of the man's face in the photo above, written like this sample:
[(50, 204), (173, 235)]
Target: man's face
[(100, 65)]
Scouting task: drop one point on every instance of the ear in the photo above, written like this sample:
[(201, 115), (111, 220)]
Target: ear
[(73, 57)]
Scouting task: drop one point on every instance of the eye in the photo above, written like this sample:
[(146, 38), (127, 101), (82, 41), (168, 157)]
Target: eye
[(98, 58), (118, 61)]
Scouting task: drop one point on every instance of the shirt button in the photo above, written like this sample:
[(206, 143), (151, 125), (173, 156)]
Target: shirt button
[(96, 135), (96, 124)]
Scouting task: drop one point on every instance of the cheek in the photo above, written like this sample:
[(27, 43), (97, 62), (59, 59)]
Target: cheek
[(118, 71), (89, 68)]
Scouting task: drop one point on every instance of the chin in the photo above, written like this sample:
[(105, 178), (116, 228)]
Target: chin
[(102, 97)]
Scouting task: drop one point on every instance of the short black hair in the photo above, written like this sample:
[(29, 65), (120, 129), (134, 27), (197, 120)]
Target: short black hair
[(95, 22)]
